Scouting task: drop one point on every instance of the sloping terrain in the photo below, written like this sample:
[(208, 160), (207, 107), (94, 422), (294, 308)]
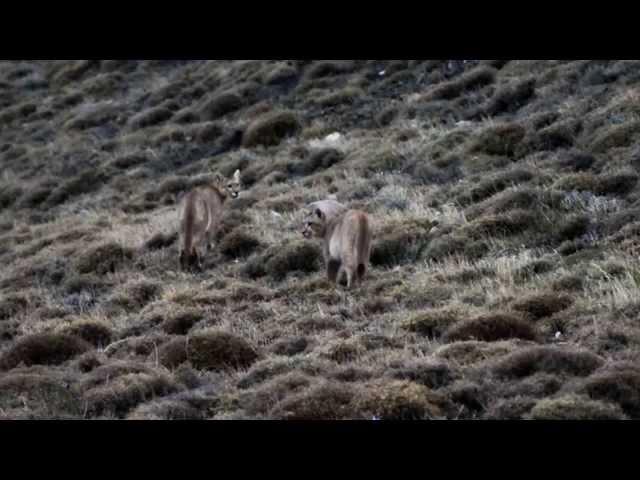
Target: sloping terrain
[(505, 205)]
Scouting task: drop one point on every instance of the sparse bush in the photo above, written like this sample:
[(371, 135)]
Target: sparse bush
[(9, 194), (530, 360), (135, 295), (220, 105), (102, 259), (402, 243), (576, 160), (86, 182), (571, 282), (536, 267), (161, 240), (378, 305), (36, 196), (615, 222), (131, 160), (12, 305), (614, 136), (104, 373), (387, 116), (503, 224), (217, 350), (474, 79), (94, 332), (170, 133), (538, 385), (262, 399), (510, 408), (83, 282), (511, 97), (441, 170), (537, 306), (210, 131), (471, 396), (398, 400), (247, 292), (573, 227), (328, 68), (73, 71), (44, 397), (16, 112), (186, 115), (432, 323), (431, 374), (173, 353), (278, 262), (575, 407), (104, 84), (495, 184), (124, 392), (239, 243), (264, 370), (181, 322), (501, 139), (346, 95), (471, 352), (281, 75), (327, 401), (342, 351), (88, 362), (95, 115), (318, 160), (551, 138), (271, 129), (621, 387), (290, 346), (43, 349), (186, 375), (617, 184), (167, 409), (521, 198), (579, 181), (149, 117), (445, 245), (490, 328)]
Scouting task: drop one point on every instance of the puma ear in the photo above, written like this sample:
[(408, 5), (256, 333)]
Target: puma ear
[(319, 213), (236, 176), (219, 178)]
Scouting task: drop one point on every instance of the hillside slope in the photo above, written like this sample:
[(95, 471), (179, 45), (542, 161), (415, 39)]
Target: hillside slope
[(505, 205)]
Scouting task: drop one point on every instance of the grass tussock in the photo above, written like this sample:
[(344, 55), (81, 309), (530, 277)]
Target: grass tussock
[(43, 349), (548, 359), (218, 350), (537, 306), (574, 407), (271, 129), (490, 328), (37, 396), (278, 262), (104, 258)]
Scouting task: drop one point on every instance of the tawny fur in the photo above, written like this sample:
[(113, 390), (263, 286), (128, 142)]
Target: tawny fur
[(201, 212), (346, 238)]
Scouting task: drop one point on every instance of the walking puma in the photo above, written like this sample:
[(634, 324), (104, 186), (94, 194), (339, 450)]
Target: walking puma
[(346, 238), (200, 219)]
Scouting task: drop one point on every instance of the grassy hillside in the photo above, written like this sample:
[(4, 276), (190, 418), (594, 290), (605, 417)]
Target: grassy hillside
[(505, 205)]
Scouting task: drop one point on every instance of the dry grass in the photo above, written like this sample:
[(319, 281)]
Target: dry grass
[(504, 277)]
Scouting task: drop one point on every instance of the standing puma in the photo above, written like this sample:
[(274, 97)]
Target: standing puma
[(346, 238), (200, 217)]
